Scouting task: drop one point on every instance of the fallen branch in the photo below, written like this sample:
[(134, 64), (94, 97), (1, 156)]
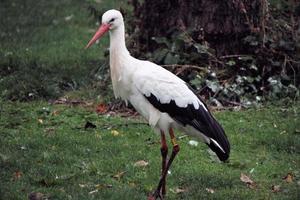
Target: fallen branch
[(185, 66)]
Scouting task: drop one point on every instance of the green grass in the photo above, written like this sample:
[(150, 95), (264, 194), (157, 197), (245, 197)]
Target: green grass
[(45, 148), (42, 46)]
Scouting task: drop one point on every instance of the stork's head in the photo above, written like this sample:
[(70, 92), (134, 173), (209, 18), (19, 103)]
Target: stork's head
[(111, 19)]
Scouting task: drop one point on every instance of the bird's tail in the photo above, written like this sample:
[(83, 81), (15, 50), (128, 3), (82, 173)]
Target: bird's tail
[(219, 142)]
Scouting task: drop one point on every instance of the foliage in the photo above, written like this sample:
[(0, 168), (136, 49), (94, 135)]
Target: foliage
[(269, 68)]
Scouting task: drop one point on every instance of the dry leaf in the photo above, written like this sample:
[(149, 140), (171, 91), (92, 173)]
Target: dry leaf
[(119, 175), (275, 188), (93, 191), (40, 121), (115, 132), (68, 18), (246, 179), (101, 108), (101, 186), (17, 175), (288, 178), (178, 190), (55, 113), (193, 143), (82, 185), (210, 190), (141, 163)]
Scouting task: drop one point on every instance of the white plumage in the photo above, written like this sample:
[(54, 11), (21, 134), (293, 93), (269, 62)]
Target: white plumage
[(158, 95)]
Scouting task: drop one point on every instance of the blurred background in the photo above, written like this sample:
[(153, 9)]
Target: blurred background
[(232, 53)]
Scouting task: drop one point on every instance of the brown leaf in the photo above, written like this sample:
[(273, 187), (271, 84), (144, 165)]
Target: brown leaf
[(140, 163), (178, 190), (17, 175), (210, 190), (119, 175), (246, 179), (101, 186), (55, 113), (101, 108), (275, 188), (288, 178)]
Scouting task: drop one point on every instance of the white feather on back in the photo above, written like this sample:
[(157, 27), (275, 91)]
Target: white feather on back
[(165, 86)]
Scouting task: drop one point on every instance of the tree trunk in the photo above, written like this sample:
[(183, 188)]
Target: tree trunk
[(221, 23)]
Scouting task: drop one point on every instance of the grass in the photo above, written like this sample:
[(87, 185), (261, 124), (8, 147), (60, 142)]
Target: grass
[(42, 46), (45, 148)]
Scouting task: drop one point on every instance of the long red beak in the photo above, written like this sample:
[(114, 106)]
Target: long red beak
[(100, 32)]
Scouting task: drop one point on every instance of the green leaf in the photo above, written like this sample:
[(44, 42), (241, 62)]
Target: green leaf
[(171, 59), (213, 85)]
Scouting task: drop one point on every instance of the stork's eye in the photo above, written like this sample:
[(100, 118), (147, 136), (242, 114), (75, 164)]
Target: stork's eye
[(112, 20)]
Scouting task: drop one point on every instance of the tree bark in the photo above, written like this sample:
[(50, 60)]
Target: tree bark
[(221, 23)]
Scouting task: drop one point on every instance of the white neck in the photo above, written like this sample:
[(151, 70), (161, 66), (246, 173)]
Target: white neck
[(117, 43), (119, 61)]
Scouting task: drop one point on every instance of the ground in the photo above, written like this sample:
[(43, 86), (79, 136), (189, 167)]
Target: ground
[(49, 149)]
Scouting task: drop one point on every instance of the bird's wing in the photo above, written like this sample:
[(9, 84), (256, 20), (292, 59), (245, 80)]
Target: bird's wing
[(165, 86), (169, 94)]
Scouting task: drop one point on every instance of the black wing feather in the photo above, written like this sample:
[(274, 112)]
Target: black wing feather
[(200, 119)]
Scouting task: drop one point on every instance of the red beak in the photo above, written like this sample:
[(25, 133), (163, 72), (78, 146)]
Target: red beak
[(100, 32)]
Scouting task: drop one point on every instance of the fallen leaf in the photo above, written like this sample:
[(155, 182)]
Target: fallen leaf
[(288, 178), (101, 108), (178, 190), (36, 196), (82, 185), (193, 143), (246, 179), (275, 188), (119, 175), (93, 191), (40, 121), (282, 132), (89, 125), (210, 190), (55, 113), (68, 18), (17, 175), (101, 186), (141, 163), (115, 132)]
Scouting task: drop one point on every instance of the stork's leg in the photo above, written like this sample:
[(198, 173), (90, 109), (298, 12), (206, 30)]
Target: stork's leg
[(175, 150), (164, 154)]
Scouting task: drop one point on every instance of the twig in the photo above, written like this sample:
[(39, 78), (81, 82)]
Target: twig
[(232, 56), (185, 66)]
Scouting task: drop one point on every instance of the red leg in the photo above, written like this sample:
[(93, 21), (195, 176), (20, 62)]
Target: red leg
[(164, 154), (175, 150)]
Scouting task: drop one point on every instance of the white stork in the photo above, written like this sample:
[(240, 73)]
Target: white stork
[(166, 101)]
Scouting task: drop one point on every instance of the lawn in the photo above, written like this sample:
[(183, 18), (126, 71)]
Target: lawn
[(46, 149), (42, 46)]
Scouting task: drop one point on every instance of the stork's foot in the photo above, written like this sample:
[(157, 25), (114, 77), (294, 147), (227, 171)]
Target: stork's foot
[(156, 195)]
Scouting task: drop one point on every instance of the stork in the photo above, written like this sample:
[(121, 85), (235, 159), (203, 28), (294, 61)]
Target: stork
[(163, 99)]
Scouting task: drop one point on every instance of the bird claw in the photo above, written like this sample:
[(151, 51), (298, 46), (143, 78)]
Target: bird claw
[(156, 195)]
